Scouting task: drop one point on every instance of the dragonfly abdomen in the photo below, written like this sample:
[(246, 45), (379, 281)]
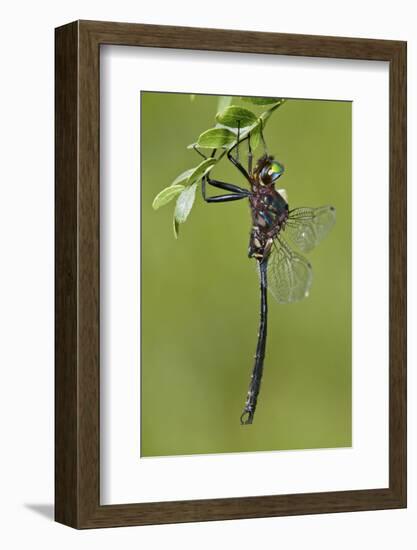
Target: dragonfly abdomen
[(259, 244)]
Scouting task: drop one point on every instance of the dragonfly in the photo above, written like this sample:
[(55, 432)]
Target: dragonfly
[(278, 239)]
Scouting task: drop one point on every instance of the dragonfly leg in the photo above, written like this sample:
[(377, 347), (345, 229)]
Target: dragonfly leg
[(225, 198), (199, 152), (238, 165), (233, 196), (235, 161), (237, 141), (205, 157), (226, 186), (264, 142), (250, 155)]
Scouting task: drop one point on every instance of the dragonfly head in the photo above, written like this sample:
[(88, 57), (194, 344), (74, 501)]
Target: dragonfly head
[(268, 170)]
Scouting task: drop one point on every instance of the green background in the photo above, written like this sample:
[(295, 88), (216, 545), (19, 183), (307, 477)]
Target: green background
[(200, 295)]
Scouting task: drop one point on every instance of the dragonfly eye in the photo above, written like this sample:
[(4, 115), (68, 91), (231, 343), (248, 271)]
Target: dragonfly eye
[(275, 170)]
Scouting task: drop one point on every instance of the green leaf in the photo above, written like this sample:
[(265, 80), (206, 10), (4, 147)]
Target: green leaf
[(244, 134), (182, 177), (184, 203), (262, 100), (255, 136), (235, 116), (201, 170), (166, 195), (175, 227), (223, 102), (256, 129), (215, 138)]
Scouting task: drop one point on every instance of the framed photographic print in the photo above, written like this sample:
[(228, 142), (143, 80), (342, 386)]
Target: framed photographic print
[(240, 360)]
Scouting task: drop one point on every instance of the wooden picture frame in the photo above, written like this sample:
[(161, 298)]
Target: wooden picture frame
[(77, 405)]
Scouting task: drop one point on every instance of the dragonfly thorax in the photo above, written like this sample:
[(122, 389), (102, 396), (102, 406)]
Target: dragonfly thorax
[(269, 208), (269, 215)]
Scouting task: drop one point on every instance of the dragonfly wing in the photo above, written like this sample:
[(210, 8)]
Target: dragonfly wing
[(307, 227), (289, 275)]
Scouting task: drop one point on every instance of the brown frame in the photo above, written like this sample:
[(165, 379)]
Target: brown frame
[(77, 371)]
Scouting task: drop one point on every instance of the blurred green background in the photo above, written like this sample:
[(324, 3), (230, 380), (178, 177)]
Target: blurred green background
[(200, 295)]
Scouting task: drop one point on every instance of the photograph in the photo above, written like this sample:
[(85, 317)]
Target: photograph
[(209, 253), (230, 274), (246, 307)]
